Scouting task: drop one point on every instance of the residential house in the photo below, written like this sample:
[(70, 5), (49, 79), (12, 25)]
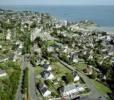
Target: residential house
[(19, 44), (43, 90), (108, 37), (36, 48), (42, 62), (90, 57), (35, 33), (2, 73), (65, 49), (47, 67), (88, 70), (73, 57), (50, 49), (75, 76), (47, 75), (8, 36), (14, 58)]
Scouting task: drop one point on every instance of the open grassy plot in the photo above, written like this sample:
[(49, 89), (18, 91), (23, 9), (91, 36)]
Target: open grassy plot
[(100, 87), (59, 69), (38, 70)]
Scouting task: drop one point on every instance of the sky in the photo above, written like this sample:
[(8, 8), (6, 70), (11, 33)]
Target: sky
[(56, 2)]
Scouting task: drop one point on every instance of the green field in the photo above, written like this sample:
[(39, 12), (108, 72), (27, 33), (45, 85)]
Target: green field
[(101, 88), (60, 69), (79, 66)]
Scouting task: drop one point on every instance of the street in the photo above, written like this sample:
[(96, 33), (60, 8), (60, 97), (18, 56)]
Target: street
[(19, 95), (32, 87)]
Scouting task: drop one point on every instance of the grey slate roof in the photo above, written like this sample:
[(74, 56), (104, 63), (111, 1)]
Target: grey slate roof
[(2, 71)]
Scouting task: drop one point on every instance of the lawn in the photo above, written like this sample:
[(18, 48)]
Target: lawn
[(60, 69), (80, 66), (38, 70), (101, 88)]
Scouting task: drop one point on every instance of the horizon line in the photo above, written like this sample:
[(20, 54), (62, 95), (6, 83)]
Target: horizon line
[(51, 5)]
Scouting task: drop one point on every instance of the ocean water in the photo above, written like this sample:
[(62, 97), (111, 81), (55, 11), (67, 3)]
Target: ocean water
[(101, 15)]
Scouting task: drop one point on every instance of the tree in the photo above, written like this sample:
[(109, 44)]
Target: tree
[(69, 77), (33, 25)]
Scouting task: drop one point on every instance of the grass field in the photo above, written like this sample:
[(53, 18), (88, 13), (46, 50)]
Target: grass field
[(59, 69), (101, 88), (79, 66)]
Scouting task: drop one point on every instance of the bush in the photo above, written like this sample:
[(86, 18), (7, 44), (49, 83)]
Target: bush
[(25, 81), (53, 94)]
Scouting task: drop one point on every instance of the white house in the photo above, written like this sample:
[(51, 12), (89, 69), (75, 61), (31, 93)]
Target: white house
[(8, 36), (42, 62), (35, 33), (47, 93), (76, 77), (2, 73), (90, 57), (44, 90), (108, 38), (36, 48), (73, 56), (47, 75), (20, 46), (58, 26), (65, 49), (50, 49), (14, 58), (47, 67)]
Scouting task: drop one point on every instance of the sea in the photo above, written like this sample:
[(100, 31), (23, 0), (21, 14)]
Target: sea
[(101, 15)]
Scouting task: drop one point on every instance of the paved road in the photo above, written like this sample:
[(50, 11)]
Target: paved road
[(32, 87), (23, 66), (94, 95)]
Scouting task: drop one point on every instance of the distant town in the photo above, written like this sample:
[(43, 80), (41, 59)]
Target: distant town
[(43, 58)]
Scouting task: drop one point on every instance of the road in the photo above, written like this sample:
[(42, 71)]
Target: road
[(94, 94), (19, 95), (31, 82), (32, 87)]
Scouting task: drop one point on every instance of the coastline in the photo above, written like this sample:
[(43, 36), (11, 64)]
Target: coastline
[(72, 13), (108, 29)]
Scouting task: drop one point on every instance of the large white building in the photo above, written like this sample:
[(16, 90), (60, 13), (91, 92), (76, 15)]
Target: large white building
[(71, 90)]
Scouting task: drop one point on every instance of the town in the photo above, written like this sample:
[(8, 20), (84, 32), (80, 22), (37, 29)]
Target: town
[(44, 58)]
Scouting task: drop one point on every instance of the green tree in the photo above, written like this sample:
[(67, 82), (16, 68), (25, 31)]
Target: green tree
[(69, 77)]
